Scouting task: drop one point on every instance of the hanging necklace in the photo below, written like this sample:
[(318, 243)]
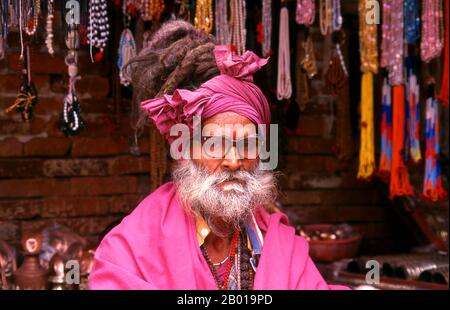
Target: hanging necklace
[(267, 27), (368, 41), (98, 29), (72, 122), (284, 84), (336, 16), (27, 96), (305, 12), (325, 16), (386, 35), (234, 245), (32, 17), (237, 26), (221, 12), (431, 43), (412, 20), (203, 15), (49, 28), (127, 46)]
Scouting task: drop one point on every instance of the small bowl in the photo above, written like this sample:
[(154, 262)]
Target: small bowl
[(327, 251)]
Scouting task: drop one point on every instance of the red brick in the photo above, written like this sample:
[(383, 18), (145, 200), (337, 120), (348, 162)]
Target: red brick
[(33, 188), (93, 85), (10, 147), (361, 213), (20, 168), (103, 186), (85, 147), (70, 207), (75, 167), (322, 164), (20, 209), (49, 104), (311, 215), (47, 147), (130, 165), (125, 203), (41, 63), (303, 197), (310, 145)]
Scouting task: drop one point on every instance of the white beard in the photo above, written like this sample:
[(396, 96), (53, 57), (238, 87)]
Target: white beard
[(233, 202)]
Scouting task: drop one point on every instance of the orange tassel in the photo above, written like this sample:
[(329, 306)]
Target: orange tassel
[(400, 185)]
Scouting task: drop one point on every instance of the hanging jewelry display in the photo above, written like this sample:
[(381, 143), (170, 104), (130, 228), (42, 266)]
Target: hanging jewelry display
[(49, 27), (309, 59), (386, 34), (325, 14), (72, 122), (431, 43), (443, 96), (267, 27), (336, 76), (432, 184), (412, 113), (98, 28), (127, 46), (284, 84), (369, 66), (305, 12), (384, 168), (302, 87), (151, 10), (412, 21), (27, 96), (399, 180), (237, 26), (336, 17), (32, 10), (221, 12), (183, 11), (204, 15)]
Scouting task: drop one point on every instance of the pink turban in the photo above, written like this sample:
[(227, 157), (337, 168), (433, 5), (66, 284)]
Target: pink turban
[(231, 91)]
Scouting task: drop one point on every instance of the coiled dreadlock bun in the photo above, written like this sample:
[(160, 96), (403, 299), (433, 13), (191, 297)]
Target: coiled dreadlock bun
[(177, 56)]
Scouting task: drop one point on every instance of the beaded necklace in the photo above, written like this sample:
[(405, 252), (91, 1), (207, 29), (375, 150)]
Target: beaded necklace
[(203, 15), (98, 29), (325, 15), (222, 33), (237, 26), (234, 245), (336, 16), (49, 28), (267, 27), (305, 12), (431, 43), (284, 84), (412, 20)]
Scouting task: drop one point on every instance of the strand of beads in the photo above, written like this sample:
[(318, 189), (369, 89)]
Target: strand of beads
[(98, 29), (431, 43), (336, 16), (33, 17), (222, 33), (325, 16), (49, 28), (237, 24), (72, 122), (203, 15), (306, 12), (284, 84), (267, 27), (412, 20), (386, 35)]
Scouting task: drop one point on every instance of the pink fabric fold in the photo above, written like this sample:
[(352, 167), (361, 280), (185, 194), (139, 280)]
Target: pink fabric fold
[(231, 91), (155, 247)]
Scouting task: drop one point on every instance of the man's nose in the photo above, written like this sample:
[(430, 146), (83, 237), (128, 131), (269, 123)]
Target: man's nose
[(232, 161)]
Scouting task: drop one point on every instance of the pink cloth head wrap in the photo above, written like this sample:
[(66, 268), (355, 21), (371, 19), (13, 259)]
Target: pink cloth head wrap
[(231, 91)]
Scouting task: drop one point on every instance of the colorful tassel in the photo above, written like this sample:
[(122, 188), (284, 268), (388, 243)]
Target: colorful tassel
[(367, 151), (432, 185), (399, 185), (412, 145), (384, 168)]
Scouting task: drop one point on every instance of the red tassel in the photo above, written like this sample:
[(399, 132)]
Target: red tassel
[(400, 185)]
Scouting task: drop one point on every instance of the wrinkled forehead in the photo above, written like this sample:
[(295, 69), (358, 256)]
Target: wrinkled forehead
[(229, 124)]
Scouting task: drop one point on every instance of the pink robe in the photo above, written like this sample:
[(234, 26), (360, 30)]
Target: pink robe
[(155, 247)]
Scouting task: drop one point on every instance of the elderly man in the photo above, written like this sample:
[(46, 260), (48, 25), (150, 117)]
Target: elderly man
[(209, 228)]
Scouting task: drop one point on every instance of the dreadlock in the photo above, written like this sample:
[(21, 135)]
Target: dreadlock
[(177, 56)]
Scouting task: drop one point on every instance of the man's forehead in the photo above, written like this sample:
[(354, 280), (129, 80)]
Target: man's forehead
[(231, 130)]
